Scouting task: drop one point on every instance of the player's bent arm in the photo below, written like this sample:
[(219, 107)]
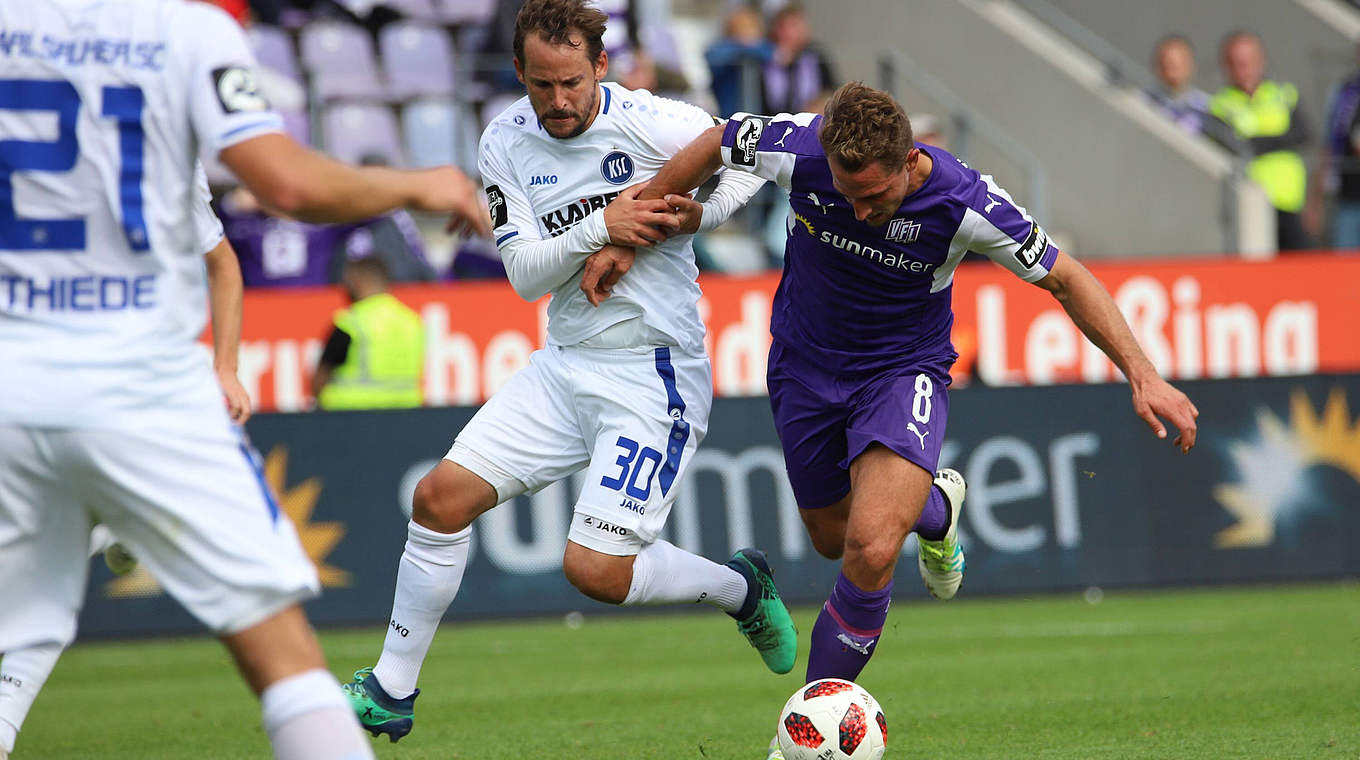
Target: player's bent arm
[(1098, 317), (537, 267), (689, 168), (304, 184), (225, 297)]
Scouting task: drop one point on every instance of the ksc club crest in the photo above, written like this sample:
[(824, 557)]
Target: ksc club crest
[(617, 167)]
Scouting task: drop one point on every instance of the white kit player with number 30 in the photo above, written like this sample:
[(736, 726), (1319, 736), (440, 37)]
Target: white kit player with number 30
[(622, 391), (108, 405)]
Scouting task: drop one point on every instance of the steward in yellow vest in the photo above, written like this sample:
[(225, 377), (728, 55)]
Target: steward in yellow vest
[(1265, 115), (376, 350)]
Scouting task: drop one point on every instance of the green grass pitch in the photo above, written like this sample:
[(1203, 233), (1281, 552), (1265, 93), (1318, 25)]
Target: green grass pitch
[(1237, 673)]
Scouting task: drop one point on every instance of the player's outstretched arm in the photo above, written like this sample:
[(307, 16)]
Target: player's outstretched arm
[(1096, 315), (224, 302), (304, 184), (689, 168)]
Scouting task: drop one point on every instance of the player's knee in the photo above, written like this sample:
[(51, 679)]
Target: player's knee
[(440, 506), (603, 582), (874, 555)]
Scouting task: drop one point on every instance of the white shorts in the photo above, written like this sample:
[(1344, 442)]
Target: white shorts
[(633, 416), (193, 507)]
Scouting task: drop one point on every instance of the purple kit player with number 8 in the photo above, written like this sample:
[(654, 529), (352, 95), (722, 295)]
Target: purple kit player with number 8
[(859, 365)]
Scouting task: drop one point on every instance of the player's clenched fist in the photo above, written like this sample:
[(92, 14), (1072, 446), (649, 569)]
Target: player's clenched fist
[(632, 222)]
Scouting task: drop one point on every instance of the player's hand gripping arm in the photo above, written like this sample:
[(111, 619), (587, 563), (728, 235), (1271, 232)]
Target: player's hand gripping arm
[(225, 299), (1095, 313), (306, 185)]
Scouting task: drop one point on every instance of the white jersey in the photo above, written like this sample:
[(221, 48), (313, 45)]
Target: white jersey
[(103, 107), (540, 187)]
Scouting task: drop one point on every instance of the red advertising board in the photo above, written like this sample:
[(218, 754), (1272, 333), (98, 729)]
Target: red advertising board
[(1195, 318)]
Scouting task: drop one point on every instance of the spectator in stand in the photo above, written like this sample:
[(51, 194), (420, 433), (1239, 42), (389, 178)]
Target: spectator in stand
[(1177, 96), (798, 72), (1338, 173), (735, 63), (276, 251), (1266, 116), (375, 354), (925, 128)]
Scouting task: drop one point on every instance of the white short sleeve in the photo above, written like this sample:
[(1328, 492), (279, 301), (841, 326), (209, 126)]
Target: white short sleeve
[(225, 104)]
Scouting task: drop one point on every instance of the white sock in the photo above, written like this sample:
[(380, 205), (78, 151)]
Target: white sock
[(101, 538), (308, 718), (22, 675), (663, 573), (428, 577)]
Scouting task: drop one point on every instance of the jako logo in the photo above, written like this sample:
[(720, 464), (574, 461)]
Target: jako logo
[(543, 179), (401, 630), (617, 167)]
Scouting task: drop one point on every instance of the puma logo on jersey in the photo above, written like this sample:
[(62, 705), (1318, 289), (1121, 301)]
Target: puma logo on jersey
[(780, 142), (917, 431), (992, 202)]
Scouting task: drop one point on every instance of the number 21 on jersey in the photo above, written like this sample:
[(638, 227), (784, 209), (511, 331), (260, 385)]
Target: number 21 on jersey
[(121, 105)]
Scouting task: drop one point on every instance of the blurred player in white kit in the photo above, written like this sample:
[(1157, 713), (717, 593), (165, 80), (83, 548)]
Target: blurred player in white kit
[(107, 402)]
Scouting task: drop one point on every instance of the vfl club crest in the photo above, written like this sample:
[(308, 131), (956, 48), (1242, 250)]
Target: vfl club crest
[(903, 231)]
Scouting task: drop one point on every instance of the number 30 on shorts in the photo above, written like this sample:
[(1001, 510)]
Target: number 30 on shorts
[(920, 405), (632, 461)]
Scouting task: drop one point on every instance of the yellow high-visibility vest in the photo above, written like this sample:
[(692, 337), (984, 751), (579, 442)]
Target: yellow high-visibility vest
[(1267, 113), (386, 355)]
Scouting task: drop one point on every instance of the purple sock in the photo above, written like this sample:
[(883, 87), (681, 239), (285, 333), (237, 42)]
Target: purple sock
[(847, 631), (934, 522)]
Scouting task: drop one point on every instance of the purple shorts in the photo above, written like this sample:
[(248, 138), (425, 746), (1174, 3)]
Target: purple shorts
[(825, 420)]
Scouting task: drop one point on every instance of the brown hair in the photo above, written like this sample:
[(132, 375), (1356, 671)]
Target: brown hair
[(862, 126), (556, 21)]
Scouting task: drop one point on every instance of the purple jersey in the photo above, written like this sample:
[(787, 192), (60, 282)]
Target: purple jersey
[(856, 298)]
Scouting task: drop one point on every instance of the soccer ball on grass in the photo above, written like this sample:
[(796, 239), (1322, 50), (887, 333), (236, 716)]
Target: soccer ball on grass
[(832, 719)]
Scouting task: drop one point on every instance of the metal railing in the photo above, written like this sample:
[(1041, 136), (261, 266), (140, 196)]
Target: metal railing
[(968, 124)]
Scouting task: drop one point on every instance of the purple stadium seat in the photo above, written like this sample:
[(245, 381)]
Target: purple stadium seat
[(274, 49), (296, 124), (354, 131), (430, 127), (466, 11), (494, 105), (423, 10), (418, 59), (340, 59)]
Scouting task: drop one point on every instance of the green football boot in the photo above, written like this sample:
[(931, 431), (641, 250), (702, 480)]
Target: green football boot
[(763, 619), (378, 712), (941, 562)]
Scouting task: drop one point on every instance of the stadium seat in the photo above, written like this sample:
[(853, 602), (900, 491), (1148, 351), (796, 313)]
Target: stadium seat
[(422, 10), (458, 12), (430, 126), (418, 59), (296, 124), (339, 57), (493, 106), (274, 49), (357, 131)]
